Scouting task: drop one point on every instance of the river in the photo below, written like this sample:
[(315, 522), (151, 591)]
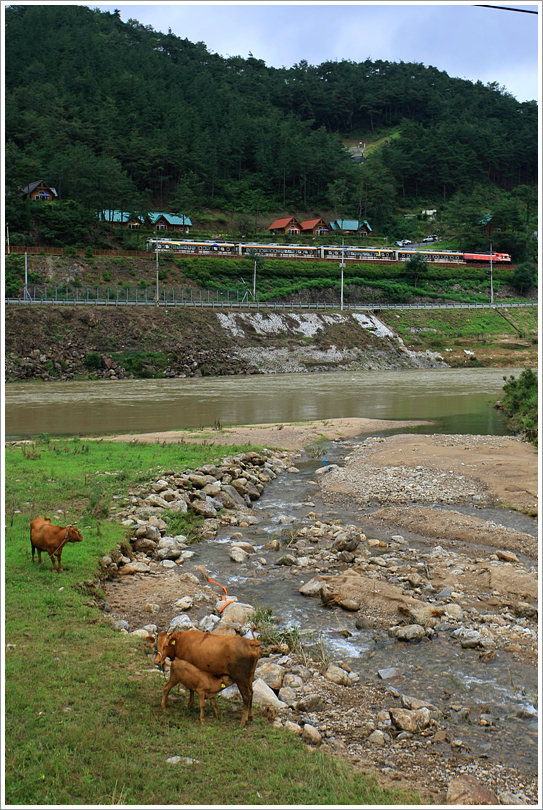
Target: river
[(460, 401)]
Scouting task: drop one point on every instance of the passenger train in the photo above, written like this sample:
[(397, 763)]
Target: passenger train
[(314, 252)]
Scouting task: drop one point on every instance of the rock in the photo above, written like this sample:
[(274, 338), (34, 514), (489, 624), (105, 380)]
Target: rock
[(527, 610), (410, 720), (134, 568), (311, 703), (337, 675), (349, 604), (237, 612), (168, 564), (144, 545), (466, 790), (208, 623), (286, 559), (389, 672), (292, 681), (311, 735), (156, 500), (506, 797), (272, 674), (140, 633), (121, 624), (288, 696), (377, 737), (264, 696), (204, 508), (232, 494), (292, 727), (443, 594), (184, 603), (507, 556), (151, 607), (311, 588), (409, 632), (181, 622), (237, 554)]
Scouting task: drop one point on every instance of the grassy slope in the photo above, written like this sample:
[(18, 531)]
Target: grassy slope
[(83, 717)]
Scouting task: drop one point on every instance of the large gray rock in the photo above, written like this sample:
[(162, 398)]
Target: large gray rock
[(410, 720), (264, 696)]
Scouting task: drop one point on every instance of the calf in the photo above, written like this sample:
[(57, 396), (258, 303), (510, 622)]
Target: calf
[(206, 685), (52, 539), (232, 655)]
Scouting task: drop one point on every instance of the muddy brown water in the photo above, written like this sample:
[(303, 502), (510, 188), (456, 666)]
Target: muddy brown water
[(461, 400)]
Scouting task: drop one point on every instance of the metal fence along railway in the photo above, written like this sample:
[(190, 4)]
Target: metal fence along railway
[(36, 295)]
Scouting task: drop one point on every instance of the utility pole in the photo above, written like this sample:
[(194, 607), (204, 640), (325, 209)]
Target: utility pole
[(26, 277), (7, 231), (342, 266), (156, 252), (254, 282), (491, 284)]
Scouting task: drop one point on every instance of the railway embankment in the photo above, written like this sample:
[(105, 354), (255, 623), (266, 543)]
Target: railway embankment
[(77, 342)]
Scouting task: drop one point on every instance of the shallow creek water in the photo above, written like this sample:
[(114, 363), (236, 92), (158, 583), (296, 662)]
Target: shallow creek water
[(432, 671)]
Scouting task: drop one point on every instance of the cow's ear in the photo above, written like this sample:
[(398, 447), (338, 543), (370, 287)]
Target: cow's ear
[(150, 639)]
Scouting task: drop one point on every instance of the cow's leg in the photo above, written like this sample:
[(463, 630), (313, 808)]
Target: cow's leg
[(202, 699), (39, 555), (33, 549), (247, 710), (166, 691), (58, 561), (215, 708), (52, 558), (191, 698)]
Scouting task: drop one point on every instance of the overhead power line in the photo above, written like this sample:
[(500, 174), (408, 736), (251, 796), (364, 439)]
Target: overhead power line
[(506, 8)]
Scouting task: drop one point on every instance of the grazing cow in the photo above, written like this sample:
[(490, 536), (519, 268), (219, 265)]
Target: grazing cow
[(206, 685), (232, 655), (52, 539)]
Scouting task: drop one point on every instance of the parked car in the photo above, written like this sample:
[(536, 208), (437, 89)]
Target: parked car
[(404, 242), (431, 238)]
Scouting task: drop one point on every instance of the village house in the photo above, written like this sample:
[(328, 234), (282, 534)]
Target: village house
[(352, 226), (287, 225), (158, 220), (315, 226), (170, 222), (39, 190)]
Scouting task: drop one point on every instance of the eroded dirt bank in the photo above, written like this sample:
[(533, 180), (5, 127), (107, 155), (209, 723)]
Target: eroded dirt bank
[(115, 342)]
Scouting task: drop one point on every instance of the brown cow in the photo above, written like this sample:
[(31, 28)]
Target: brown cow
[(211, 652), (52, 539), (206, 685)]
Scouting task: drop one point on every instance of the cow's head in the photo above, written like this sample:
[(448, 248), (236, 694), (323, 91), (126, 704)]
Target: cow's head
[(74, 535), (164, 647)]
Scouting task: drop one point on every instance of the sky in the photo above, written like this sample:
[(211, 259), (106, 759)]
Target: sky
[(464, 40)]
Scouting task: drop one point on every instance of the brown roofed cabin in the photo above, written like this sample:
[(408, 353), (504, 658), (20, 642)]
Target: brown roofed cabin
[(288, 225), (315, 226), (39, 190)]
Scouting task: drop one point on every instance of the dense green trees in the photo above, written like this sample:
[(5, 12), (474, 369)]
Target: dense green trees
[(117, 115)]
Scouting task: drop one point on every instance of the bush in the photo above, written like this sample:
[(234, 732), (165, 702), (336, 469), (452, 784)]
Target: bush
[(89, 253), (524, 276), (69, 251), (93, 360), (520, 403)]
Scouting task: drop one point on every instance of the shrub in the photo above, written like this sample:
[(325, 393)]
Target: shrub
[(69, 251), (93, 360)]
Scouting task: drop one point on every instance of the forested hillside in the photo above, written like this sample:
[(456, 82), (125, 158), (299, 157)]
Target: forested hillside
[(117, 115)]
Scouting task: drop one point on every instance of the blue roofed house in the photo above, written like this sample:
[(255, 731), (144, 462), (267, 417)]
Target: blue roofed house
[(353, 226), (170, 222)]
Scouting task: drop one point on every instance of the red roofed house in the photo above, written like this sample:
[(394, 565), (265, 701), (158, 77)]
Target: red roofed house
[(315, 226), (286, 225)]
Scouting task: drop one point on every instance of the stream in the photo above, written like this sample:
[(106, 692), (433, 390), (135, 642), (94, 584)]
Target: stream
[(430, 670)]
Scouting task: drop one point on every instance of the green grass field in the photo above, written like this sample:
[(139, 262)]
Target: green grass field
[(83, 723)]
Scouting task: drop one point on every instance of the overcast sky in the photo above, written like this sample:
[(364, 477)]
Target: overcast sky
[(462, 39)]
